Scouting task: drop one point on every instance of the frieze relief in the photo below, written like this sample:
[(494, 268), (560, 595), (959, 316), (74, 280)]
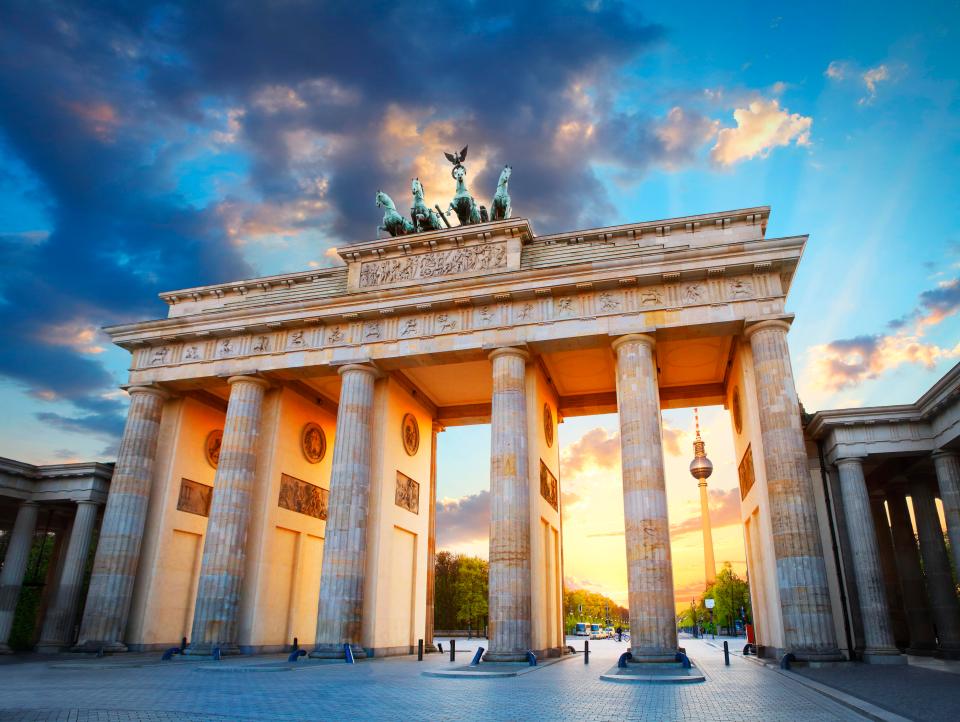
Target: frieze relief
[(465, 317), (484, 257)]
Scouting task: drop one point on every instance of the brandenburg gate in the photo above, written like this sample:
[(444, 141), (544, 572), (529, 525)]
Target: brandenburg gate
[(277, 474)]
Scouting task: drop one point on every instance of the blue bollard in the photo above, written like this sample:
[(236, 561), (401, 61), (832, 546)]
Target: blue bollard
[(684, 659), (476, 657), (216, 654), (786, 659), (169, 653), (348, 654), (295, 654), (624, 658), (531, 659)]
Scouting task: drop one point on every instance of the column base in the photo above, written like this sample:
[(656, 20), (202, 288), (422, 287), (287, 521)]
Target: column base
[(817, 655), (512, 656), (653, 655), (950, 652), (883, 656), (429, 647), (335, 651), (205, 649), (48, 647), (95, 646)]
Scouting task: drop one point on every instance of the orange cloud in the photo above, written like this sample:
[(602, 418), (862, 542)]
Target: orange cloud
[(724, 511), (79, 336), (761, 127), (101, 119)]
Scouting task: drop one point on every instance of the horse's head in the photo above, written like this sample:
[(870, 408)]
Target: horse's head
[(458, 173), (417, 188), (384, 201), (505, 175)]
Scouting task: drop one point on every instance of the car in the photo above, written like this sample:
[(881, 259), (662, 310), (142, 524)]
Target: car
[(610, 632), (596, 631)]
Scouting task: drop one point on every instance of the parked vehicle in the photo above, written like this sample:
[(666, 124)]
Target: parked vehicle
[(581, 630), (596, 631)]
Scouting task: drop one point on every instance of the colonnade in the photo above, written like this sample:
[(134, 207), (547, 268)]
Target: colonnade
[(801, 575), (897, 574)]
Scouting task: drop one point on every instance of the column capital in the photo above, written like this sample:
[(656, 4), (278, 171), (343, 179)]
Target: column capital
[(858, 460), (634, 338), (258, 380), (509, 351), (90, 502), (437, 427), (29, 502), (945, 454), (779, 323), (365, 368), (155, 390)]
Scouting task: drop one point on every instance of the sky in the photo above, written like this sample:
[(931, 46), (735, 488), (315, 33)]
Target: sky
[(153, 146)]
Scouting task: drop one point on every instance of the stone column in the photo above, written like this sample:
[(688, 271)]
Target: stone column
[(510, 605), (915, 606), (888, 564), (340, 613), (432, 543), (936, 569), (880, 647), (216, 612), (801, 573), (61, 616), (653, 630), (118, 549), (14, 567), (947, 464)]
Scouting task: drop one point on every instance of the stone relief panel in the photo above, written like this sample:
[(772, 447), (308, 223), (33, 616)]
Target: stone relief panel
[(548, 486), (194, 497), (740, 288), (431, 265), (303, 497), (446, 322), (745, 471), (407, 494), (651, 296)]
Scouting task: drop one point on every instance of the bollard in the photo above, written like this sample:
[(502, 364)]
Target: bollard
[(296, 644), (440, 647), (100, 652), (476, 657), (726, 654), (746, 650), (347, 654), (215, 654), (586, 651), (531, 658), (453, 649), (419, 650), (786, 659), (169, 653), (683, 659), (183, 644), (295, 654), (624, 658)]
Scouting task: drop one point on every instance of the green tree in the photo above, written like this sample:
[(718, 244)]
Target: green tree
[(472, 589), (444, 591), (596, 609), (730, 593)]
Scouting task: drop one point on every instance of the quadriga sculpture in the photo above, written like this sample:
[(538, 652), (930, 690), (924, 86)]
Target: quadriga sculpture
[(463, 204), (393, 223), (500, 207), (424, 217)]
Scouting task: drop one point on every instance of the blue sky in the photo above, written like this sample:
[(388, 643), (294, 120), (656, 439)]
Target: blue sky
[(148, 147)]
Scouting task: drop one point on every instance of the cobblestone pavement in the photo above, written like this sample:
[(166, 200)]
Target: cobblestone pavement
[(913, 691), (393, 689)]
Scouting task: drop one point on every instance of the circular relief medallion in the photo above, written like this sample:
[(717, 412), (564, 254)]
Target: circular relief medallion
[(211, 447), (737, 413), (313, 443), (548, 425), (410, 432)]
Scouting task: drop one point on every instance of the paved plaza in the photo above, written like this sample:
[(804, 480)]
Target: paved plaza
[(138, 687)]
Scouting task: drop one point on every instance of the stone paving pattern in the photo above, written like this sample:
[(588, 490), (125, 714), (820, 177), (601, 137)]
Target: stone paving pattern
[(393, 688)]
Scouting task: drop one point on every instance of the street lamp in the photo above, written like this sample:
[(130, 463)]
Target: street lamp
[(709, 604)]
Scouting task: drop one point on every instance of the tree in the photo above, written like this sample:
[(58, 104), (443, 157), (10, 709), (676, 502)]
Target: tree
[(597, 609), (472, 587), (444, 590), (730, 593)]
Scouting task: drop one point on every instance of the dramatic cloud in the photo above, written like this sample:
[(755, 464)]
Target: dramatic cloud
[(463, 520), (848, 362), (724, 511), (761, 126), (597, 448)]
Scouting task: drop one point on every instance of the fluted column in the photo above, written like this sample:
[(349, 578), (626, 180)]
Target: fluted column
[(912, 588), (509, 606), (888, 564), (801, 573), (880, 647), (947, 464), (61, 616), (936, 569), (216, 611), (340, 612), (118, 549), (653, 631), (14, 567), (432, 543)]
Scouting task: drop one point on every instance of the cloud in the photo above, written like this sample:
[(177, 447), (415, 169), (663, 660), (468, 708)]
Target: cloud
[(463, 520), (724, 511), (836, 70), (840, 71), (871, 78), (848, 362), (761, 127), (598, 448)]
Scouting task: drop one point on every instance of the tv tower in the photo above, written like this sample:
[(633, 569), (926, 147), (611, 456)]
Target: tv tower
[(700, 468)]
